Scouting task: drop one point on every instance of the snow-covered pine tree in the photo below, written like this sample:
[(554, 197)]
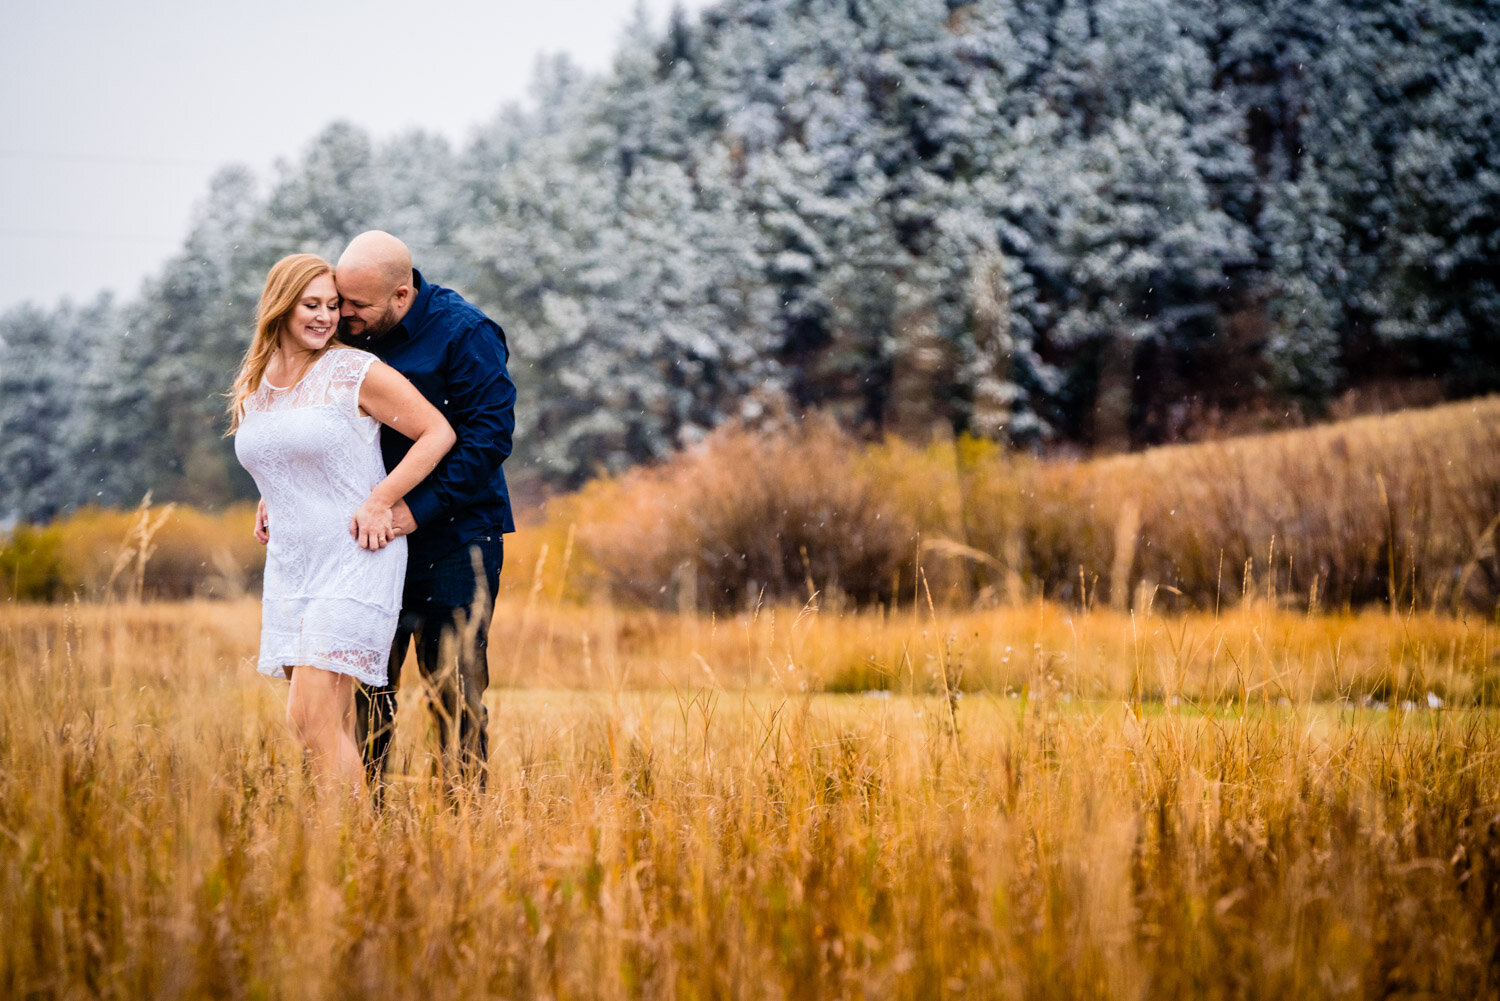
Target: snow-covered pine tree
[(1305, 244), (1139, 244), (1441, 252), (181, 343)]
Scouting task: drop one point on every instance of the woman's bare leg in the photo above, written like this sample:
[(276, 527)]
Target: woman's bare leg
[(320, 711)]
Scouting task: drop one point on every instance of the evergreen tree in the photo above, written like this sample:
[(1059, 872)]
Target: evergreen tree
[(322, 201), (1026, 219), (1305, 242), (182, 344), (45, 359), (1441, 248), (1402, 131)]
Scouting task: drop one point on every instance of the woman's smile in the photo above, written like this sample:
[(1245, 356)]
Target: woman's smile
[(315, 317)]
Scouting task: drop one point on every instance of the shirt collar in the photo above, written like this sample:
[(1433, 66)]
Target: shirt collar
[(421, 299)]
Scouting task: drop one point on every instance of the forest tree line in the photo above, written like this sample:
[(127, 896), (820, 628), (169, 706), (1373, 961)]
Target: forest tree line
[(1075, 222)]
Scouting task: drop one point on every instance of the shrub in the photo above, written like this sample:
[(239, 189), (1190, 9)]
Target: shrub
[(97, 554), (746, 517), (31, 565), (1401, 510)]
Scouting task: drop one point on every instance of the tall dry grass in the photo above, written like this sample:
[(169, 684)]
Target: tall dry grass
[(791, 718), (749, 517), (1254, 653), (728, 832), (1400, 510)]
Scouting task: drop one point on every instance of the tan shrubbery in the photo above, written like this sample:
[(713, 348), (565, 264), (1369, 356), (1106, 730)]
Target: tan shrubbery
[(1038, 803), (1400, 510), (746, 518), (96, 554)]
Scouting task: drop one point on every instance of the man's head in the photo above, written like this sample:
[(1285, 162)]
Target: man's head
[(375, 283)]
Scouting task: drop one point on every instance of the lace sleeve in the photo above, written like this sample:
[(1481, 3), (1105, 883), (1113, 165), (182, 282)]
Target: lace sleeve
[(346, 375)]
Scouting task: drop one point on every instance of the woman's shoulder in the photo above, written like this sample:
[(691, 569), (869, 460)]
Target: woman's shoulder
[(343, 359), (343, 369), (346, 354)]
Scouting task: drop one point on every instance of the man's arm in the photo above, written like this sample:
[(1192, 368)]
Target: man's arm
[(481, 398)]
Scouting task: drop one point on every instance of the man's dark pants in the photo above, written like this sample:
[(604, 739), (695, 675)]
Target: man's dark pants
[(446, 609)]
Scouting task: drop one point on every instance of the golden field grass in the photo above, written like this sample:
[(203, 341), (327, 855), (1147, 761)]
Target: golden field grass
[(1021, 802), (792, 717)]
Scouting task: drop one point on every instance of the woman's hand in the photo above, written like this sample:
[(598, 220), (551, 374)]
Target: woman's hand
[(396, 403), (373, 525), (262, 523)]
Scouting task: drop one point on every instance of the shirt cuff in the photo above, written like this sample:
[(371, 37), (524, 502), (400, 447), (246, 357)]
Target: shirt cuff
[(423, 504)]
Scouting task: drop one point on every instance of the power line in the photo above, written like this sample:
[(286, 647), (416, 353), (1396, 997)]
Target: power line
[(59, 234), (109, 158)]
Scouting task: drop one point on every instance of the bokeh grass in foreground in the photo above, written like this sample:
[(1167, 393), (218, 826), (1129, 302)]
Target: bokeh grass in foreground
[(676, 810)]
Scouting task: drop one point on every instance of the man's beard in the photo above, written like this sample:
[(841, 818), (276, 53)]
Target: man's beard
[(372, 329)]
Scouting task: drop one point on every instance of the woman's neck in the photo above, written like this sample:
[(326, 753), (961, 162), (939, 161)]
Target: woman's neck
[(289, 365)]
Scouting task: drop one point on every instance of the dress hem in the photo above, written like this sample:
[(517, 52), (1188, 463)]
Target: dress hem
[(277, 669)]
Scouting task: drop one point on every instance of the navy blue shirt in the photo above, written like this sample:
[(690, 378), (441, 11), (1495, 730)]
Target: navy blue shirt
[(455, 356)]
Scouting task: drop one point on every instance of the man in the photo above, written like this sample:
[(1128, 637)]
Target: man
[(457, 517)]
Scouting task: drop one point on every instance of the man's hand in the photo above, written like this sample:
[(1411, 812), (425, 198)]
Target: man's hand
[(262, 523), (401, 518)]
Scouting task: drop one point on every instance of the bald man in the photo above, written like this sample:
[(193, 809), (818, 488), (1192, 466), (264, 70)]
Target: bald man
[(456, 518)]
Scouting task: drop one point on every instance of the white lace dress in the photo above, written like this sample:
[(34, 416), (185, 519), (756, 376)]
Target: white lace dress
[(327, 603)]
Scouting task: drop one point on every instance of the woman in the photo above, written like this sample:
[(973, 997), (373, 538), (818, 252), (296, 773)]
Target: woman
[(306, 414)]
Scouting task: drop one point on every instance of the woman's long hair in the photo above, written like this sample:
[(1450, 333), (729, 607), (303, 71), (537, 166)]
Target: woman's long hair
[(287, 280)]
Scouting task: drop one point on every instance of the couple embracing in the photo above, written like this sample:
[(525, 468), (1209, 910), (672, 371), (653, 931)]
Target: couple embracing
[(374, 410)]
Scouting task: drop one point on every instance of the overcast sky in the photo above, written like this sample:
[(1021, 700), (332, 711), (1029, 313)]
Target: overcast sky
[(116, 114)]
